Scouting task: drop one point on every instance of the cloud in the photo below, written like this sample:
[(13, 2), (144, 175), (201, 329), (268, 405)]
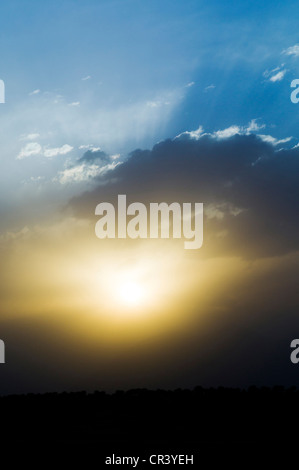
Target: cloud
[(94, 154), (229, 132), (253, 126), (89, 147), (16, 235), (293, 50), (85, 146), (34, 92), (36, 179), (154, 104), (273, 140), (78, 174), (192, 134), (58, 99), (189, 85), (88, 77), (33, 148), (83, 172), (93, 163), (276, 74), (75, 103), (36, 230), (233, 130), (29, 136), (53, 152), (249, 189), (208, 88)]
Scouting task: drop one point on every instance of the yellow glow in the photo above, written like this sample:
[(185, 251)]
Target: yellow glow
[(126, 285), (132, 293), (108, 293)]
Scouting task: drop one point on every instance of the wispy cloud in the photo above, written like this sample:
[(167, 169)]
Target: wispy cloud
[(36, 179), (33, 148), (75, 103), (34, 92), (82, 173), (192, 134), (278, 76), (275, 75), (209, 88), (154, 104), (88, 77), (272, 140), (90, 147), (253, 126), (228, 132), (29, 136), (293, 50), (53, 152), (190, 84)]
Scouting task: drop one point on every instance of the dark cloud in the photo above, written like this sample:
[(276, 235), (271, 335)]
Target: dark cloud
[(91, 156), (250, 190)]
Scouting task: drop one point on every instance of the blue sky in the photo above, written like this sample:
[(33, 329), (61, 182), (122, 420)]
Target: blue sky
[(121, 75)]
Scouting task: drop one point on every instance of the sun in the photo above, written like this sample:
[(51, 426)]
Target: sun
[(131, 285), (132, 293)]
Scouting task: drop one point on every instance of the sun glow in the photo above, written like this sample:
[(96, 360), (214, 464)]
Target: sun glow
[(130, 284), (132, 293)]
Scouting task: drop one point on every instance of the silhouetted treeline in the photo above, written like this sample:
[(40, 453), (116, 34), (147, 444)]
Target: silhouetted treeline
[(180, 417)]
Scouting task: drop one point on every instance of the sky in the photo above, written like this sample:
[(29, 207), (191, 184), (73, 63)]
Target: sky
[(162, 101)]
